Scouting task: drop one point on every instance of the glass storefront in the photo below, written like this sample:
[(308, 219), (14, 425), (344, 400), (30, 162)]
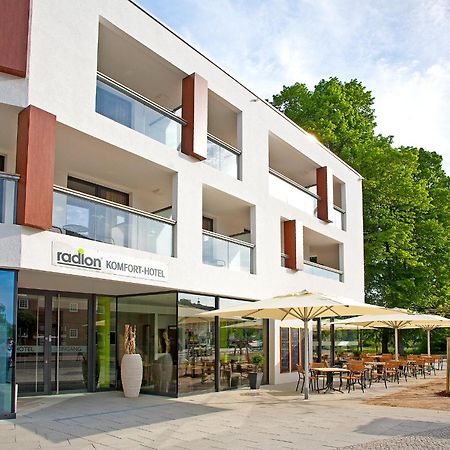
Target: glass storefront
[(74, 342), (7, 332), (240, 342), (196, 340), (155, 317)]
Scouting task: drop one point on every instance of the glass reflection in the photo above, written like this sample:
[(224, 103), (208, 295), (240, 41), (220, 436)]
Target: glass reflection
[(240, 341), (156, 338), (7, 331), (196, 353)]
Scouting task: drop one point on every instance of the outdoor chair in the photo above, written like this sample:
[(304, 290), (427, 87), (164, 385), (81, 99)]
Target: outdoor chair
[(386, 357), (319, 376), (357, 375), (301, 377), (392, 371)]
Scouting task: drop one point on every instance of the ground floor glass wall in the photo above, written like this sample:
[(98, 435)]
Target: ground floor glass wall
[(197, 344), (75, 342), (7, 332), (155, 317)]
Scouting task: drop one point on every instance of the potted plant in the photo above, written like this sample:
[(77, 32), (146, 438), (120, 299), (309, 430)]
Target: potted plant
[(255, 378), (131, 365)]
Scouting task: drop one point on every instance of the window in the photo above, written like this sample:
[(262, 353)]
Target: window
[(2, 163), (208, 224), (99, 191), (23, 303), (73, 307), (290, 355), (73, 333)]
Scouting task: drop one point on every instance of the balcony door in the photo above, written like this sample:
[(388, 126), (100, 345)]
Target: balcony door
[(52, 344)]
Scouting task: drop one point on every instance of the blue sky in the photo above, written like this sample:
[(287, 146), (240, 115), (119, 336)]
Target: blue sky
[(399, 49)]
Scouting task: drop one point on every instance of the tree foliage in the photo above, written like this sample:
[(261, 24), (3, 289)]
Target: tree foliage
[(406, 194)]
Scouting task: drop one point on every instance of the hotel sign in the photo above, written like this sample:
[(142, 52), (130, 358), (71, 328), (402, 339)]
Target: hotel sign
[(64, 255)]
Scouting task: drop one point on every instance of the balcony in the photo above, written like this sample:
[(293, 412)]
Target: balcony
[(223, 157), (8, 190), (88, 217), (121, 104), (224, 251), (290, 192), (322, 271)]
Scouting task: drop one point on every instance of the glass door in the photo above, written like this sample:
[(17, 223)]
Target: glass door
[(69, 351), (52, 344), (30, 344)]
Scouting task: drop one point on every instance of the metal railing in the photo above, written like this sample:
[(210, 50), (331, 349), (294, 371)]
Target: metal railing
[(222, 156), (224, 251), (323, 271), (294, 194), (8, 197), (88, 217), (125, 106)]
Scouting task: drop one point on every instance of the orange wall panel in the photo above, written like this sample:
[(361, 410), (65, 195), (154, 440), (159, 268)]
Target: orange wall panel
[(14, 27), (195, 113), (35, 163), (290, 244)]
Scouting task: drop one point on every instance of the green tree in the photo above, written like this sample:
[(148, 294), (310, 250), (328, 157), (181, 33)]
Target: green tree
[(406, 192)]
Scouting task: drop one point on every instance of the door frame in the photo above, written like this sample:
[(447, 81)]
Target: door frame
[(91, 347)]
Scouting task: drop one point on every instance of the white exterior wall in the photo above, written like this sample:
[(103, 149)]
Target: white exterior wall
[(62, 80)]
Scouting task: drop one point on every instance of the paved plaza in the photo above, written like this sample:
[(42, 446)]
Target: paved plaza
[(274, 417)]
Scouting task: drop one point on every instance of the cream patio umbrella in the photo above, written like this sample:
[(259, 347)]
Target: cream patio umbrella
[(303, 305), (399, 321)]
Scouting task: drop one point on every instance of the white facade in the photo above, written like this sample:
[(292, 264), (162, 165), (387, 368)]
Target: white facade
[(65, 54)]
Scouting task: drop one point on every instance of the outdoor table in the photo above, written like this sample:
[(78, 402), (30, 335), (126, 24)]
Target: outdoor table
[(330, 371)]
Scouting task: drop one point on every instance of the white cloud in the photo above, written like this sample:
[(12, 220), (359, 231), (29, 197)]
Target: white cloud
[(399, 50)]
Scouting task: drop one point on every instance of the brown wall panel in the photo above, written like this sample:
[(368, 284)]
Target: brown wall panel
[(14, 26), (35, 164), (195, 113), (290, 244), (323, 176)]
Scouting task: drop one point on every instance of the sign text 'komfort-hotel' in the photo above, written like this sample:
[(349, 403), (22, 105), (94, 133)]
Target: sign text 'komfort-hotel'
[(95, 260)]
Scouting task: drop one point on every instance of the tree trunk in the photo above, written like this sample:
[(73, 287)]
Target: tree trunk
[(385, 340)]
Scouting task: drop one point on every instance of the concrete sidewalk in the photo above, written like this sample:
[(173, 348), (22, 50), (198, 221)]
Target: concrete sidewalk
[(275, 416)]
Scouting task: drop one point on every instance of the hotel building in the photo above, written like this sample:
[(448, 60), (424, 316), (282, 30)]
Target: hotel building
[(142, 184)]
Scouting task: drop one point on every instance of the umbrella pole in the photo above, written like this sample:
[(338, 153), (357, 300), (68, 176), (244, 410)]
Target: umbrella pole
[(306, 368), (396, 343), (429, 341)]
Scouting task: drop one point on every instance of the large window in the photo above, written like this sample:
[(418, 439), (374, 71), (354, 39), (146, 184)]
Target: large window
[(156, 338), (7, 333), (240, 340), (99, 191), (196, 340), (290, 345)]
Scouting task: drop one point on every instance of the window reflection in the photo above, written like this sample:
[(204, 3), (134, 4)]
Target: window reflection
[(7, 332), (240, 340), (156, 338), (196, 354)]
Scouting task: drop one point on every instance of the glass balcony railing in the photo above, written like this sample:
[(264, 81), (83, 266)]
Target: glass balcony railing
[(292, 193), (222, 157), (121, 104), (88, 217), (223, 251), (322, 271), (339, 217), (8, 195)]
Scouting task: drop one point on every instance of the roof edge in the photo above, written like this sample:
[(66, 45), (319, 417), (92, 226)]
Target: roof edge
[(158, 21)]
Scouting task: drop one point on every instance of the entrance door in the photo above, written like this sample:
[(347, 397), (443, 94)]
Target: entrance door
[(52, 344), (69, 343)]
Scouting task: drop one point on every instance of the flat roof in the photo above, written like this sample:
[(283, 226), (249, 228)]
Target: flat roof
[(159, 22)]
